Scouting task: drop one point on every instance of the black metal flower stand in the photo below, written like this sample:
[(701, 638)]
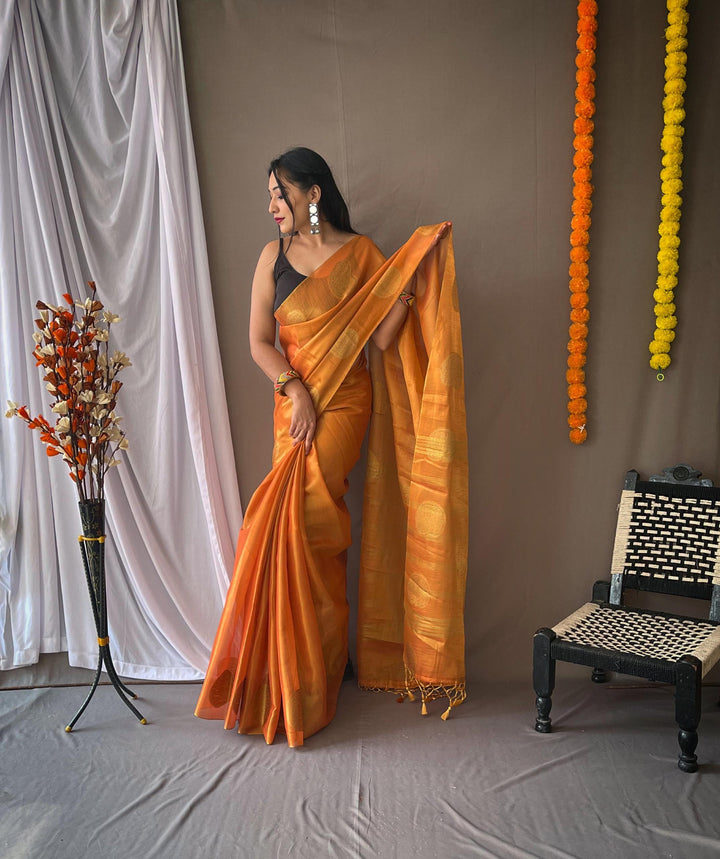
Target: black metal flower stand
[(92, 549)]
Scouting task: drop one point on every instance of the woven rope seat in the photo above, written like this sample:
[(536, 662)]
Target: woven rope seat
[(667, 541), (665, 638)]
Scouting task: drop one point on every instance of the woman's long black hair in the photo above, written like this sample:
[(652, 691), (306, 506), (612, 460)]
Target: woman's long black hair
[(305, 168)]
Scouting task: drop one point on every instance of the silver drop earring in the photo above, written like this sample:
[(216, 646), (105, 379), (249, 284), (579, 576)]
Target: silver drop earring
[(314, 219)]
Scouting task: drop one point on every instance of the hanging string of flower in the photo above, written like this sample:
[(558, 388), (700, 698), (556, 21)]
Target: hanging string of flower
[(580, 223), (671, 176)]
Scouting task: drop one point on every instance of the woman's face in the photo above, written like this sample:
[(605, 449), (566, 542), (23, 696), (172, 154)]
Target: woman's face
[(298, 199)]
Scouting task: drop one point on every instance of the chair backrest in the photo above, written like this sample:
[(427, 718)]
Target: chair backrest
[(668, 540)]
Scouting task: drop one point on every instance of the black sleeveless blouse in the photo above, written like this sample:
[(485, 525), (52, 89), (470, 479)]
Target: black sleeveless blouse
[(286, 278)]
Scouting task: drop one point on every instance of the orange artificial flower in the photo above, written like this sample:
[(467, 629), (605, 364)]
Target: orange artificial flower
[(583, 141), (581, 206), (580, 222), (585, 59), (582, 174), (583, 190), (585, 75), (587, 25), (583, 158)]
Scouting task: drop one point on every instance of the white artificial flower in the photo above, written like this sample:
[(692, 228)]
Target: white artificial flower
[(60, 408), (121, 358), (110, 317), (86, 396)]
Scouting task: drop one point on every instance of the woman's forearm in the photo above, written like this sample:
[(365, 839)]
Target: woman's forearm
[(386, 331), (269, 359)]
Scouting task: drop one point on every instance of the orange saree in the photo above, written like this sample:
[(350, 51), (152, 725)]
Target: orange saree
[(281, 645)]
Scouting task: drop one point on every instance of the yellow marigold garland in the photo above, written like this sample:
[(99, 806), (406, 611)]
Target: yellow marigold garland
[(580, 224), (671, 176)]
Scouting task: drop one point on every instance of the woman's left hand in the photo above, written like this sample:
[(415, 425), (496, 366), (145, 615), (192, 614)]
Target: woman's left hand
[(441, 233)]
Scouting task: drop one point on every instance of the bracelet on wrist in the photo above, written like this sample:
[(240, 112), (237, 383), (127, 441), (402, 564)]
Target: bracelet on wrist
[(407, 298), (283, 379)]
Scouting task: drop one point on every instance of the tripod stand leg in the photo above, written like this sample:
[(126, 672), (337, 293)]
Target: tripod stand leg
[(94, 686)]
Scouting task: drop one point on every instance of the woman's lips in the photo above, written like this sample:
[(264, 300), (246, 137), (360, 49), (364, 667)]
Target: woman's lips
[(278, 220)]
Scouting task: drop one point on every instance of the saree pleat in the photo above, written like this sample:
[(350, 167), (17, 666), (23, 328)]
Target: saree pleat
[(281, 646)]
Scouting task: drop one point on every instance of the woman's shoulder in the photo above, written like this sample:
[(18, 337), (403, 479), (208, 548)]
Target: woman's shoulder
[(271, 250), (360, 239), (366, 245)]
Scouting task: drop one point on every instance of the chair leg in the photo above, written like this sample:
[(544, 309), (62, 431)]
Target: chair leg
[(543, 678), (599, 676), (687, 710)]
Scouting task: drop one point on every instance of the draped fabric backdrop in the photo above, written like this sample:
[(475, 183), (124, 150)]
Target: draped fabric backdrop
[(98, 181)]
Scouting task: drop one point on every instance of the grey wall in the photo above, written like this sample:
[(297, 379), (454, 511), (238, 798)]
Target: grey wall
[(463, 109)]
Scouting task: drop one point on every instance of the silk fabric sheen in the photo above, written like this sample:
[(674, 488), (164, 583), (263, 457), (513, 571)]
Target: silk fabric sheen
[(281, 646)]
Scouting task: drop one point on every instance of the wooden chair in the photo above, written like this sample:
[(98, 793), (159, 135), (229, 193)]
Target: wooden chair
[(667, 541)]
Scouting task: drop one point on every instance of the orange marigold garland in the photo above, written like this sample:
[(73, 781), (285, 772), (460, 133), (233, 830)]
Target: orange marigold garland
[(580, 224)]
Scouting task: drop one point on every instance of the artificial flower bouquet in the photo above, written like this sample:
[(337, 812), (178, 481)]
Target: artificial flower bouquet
[(72, 346)]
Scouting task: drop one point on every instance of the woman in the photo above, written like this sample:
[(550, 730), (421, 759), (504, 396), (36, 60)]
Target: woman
[(281, 646)]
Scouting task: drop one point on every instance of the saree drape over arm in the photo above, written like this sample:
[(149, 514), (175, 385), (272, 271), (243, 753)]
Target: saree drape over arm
[(281, 646)]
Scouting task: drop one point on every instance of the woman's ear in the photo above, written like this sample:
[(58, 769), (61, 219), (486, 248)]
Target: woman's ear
[(315, 194)]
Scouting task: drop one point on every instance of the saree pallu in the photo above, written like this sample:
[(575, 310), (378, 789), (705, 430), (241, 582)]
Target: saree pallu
[(281, 646)]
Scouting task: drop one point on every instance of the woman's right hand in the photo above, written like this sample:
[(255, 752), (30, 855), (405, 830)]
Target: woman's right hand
[(304, 420)]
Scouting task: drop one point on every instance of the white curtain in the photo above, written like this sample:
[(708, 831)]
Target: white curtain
[(98, 182)]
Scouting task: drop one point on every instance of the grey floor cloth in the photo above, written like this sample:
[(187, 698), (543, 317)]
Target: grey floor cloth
[(381, 780)]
